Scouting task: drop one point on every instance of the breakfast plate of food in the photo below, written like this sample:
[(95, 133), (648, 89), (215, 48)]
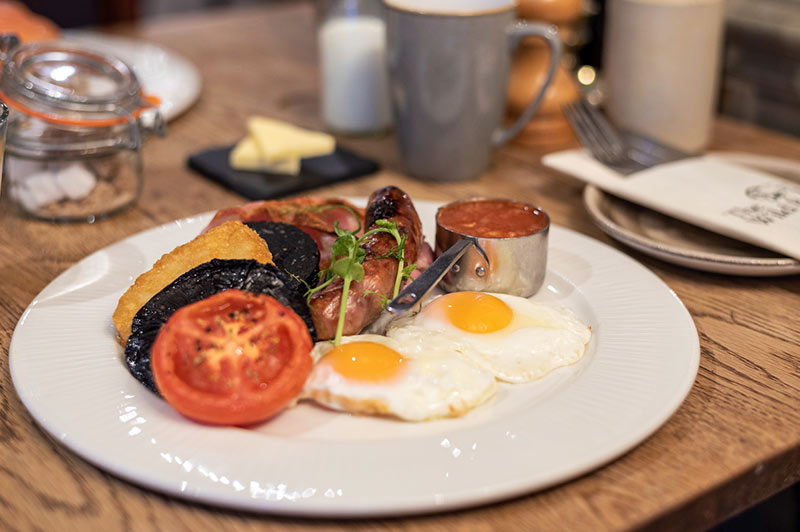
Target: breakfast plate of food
[(244, 359)]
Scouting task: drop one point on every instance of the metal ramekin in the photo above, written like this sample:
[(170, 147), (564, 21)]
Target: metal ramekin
[(517, 265)]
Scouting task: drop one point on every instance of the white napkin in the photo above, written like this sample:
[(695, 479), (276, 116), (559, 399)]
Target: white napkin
[(706, 191)]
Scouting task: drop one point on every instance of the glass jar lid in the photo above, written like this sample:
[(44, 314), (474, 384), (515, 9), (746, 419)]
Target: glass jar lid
[(69, 98), (63, 83)]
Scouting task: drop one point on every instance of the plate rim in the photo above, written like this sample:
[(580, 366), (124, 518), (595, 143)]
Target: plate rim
[(410, 507), (705, 261)]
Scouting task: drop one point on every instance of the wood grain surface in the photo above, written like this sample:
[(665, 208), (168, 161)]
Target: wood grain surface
[(734, 442)]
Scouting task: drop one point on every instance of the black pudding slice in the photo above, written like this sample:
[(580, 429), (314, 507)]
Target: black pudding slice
[(292, 250), (199, 283)]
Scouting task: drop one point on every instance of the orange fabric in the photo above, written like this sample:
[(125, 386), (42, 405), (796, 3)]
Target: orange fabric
[(16, 18)]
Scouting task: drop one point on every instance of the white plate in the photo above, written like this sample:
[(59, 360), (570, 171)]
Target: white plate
[(639, 366), (161, 72), (678, 242)]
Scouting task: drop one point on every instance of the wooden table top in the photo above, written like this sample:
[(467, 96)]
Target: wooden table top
[(734, 441)]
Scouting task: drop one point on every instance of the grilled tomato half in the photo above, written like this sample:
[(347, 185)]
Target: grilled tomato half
[(235, 358)]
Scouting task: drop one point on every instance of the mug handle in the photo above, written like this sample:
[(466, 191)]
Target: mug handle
[(549, 33)]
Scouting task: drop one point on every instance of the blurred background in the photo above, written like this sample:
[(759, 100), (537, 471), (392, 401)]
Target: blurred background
[(760, 80)]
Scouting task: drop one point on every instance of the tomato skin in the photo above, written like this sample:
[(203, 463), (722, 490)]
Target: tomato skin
[(235, 358)]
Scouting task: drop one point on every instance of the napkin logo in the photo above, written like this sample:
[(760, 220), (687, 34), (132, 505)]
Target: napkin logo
[(775, 202)]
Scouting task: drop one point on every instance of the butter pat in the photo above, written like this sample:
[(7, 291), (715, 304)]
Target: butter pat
[(279, 141), (246, 155)]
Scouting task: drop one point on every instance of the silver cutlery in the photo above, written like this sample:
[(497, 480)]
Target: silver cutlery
[(624, 152), (416, 291)]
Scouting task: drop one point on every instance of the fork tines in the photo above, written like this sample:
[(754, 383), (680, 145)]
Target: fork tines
[(585, 118), (601, 139)]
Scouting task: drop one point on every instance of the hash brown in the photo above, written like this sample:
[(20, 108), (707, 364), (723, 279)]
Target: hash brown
[(231, 240)]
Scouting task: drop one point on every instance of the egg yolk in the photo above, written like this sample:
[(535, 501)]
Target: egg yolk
[(364, 361), (475, 312)]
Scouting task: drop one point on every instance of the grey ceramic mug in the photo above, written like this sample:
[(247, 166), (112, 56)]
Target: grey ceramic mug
[(449, 63)]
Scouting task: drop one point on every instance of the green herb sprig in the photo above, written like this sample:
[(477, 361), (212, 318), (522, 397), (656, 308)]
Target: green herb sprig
[(348, 256)]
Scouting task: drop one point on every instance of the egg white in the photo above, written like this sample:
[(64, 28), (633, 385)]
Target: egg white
[(539, 339), (435, 382)]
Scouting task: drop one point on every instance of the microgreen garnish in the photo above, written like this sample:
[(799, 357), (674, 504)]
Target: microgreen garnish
[(348, 256), (384, 300), (353, 213)]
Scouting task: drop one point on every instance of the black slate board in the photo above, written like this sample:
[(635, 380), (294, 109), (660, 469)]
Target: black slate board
[(315, 172)]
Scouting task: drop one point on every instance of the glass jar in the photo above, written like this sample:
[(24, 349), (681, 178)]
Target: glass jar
[(77, 121), (352, 57)]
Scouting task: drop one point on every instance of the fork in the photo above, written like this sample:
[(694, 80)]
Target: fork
[(624, 152)]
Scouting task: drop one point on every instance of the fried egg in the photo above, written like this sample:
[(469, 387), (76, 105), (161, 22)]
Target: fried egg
[(516, 339), (371, 374)]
